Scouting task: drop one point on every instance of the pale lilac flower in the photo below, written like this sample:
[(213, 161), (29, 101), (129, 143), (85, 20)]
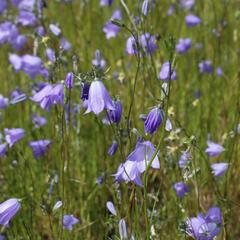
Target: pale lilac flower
[(50, 53), (137, 162), (205, 227), (3, 102), (164, 72), (57, 205), (187, 4), (184, 44), (8, 210), (27, 18), (55, 29), (3, 148), (218, 169), (171, 10), (3, 6), (39, 147), (116, 114), (8, 32), (192, 20), (123, 230), (69, 80), (41, 31), (214, 149), (181, 189), (69, 221), (112, 150), (99, 98), (183, 159), (148, 43), (106, 3), (131, 46), (219, 71), (153, 120), (145, 7), (111, 208), (99, 61), (65, 44), (168, 126), (38, 121), (205, 66), (13, 135), (19, 42), (27, 5)]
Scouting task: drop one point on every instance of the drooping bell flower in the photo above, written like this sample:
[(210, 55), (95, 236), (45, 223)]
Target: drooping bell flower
[(164, 72), (122, 230), (116, 114), (148, 43), (8, 32), (39, 148), (13, 135), (3, 6), (214, 149), (181, 189), (145, 7), (50, 53), (99, 98), (112, 150), (184, 44), (8, 210), (205, 227), (106, 3), (3, 102), (187, 4), (136, 163), (219, 71), (3, 148), (19, 42), (41, 31), (192, 20), (153, 120), (218, 169), (205, 67), (110, 29), (38, 121), (131, 46), (55, 29), (85, 91), (26, 18), (69, 221), (168, 126), (99, 61), (69, 80), (27, 5), (171, 10), (65, 44), (183, 160), (49, 95), (111, 208)]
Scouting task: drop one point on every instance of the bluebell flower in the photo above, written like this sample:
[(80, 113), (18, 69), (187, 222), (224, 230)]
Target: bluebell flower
[(38, 121), (27, 18), (8, 32), (13, 135), (3, 148), (39, 147), (214, 149), (98, 98), (41, 31), (85, 91), (183, 159), (106, 3), (181, 189), (218, 169), (122, 229), (110, 29), (112, 150), (192, 20), (164, 72), (145, 7), (205, 66), (153, 120), (136, 163), (219, 71), (3, 102), (98, 61), (8, 210), (205, 227), (69, 80), (19, 42), (65, 44), (3, 6), (187, 4), (69, 221), (111, 208), (27, 5), (50, 53), (116, 114), (184, 44), (168, 126), (55, 29), (171, 10)]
